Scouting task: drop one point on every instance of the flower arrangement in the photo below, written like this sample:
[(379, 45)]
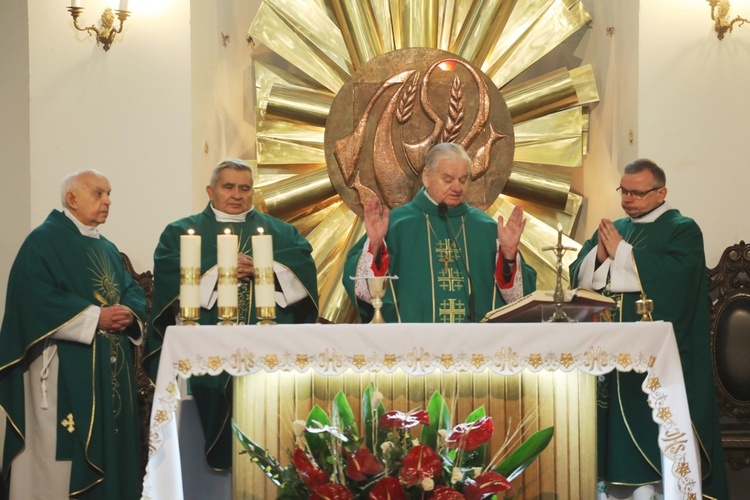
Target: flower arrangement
[(331, 460)]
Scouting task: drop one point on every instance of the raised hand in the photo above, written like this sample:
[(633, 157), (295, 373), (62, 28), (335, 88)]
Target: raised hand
[(509, 235), (376, 224)]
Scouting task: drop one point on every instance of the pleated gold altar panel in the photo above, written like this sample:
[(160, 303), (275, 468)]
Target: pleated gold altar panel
[(266, 404)]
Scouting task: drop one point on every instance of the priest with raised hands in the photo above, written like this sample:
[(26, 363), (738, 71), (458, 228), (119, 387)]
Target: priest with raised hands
[(73, 316), (230, 208), (454, 263)]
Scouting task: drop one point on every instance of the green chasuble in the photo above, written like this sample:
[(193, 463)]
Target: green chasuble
[(290, 249), (57, 274), (668, 255), (432, 284)]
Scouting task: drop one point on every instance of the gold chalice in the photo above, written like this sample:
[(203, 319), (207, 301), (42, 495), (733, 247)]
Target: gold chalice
[(376, 286)]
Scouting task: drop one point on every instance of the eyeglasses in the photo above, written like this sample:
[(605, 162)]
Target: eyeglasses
[(636, 194)]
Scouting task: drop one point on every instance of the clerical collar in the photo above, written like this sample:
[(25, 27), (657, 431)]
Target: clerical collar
[(225, 217), (89, 231), (652, 215)]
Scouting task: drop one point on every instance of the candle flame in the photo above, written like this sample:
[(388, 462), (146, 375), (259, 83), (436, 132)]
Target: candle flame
[(260, 230), (191, 232), (227, 231), (559, 227)]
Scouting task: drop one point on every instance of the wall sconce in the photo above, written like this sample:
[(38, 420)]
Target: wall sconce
[(720, 16), (106, 34)]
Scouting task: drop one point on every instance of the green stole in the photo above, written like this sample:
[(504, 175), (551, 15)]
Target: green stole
[(57, 274), (432, 266), (290, 249), (668, 255)]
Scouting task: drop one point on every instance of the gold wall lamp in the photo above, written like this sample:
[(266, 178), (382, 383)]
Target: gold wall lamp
[(720, 16), (105, 35)]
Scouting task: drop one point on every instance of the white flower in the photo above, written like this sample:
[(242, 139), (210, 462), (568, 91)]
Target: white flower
[(457, 475), (441, 436), (299, 426), (415, 441), (428, 484), (377, 398), (386, 446), (477, 471)]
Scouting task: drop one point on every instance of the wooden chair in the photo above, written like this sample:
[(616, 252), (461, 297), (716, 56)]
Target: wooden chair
[(145, 388), (729, 287)]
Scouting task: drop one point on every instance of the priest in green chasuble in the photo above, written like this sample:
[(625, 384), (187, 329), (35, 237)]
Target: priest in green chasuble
[(231, 193), (67, 385), (454, 262), (657, 251)]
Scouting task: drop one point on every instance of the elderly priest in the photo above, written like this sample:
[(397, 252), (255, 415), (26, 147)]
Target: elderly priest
[(231, 194), (72, 317), (454, 262)]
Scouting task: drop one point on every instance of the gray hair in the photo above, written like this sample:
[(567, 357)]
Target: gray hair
[(234, 164), (638, 166), (70, 184), (446, 151)]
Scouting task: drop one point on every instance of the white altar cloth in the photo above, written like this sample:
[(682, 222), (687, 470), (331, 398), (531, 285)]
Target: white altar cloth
[(416, 348)]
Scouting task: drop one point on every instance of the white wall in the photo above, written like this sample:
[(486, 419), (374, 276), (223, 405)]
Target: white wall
[(694, 110)]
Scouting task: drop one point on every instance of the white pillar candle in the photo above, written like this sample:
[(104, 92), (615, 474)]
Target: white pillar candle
[(190, 270), (263, 264), (123, 4), (75, 3), (226, 246)]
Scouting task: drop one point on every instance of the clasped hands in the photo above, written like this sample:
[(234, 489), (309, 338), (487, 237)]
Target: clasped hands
[(609, 239), (115, 318)]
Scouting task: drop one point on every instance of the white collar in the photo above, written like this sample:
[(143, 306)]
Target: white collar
[(89, 231), (225, 217), (652, 215)]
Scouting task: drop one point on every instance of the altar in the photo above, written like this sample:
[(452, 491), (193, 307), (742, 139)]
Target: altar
[(424, 350)]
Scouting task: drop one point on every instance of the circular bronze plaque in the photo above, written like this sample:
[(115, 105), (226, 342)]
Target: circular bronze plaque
[(385, 119)]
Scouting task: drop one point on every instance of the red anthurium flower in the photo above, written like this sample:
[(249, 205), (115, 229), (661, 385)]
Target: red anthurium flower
[(471, 435), (361, 464), (419, 463), (332, 492), (485, 484), (388, 488), (401, 420), (308, 471), (445, 493)]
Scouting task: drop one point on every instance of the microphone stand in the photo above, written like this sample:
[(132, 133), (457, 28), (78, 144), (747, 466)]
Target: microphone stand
[(443, 211)]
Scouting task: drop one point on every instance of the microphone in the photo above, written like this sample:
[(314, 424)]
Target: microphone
[(443, 211)]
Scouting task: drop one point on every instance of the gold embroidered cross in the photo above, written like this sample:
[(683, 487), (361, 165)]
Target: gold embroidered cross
[(68, 423), (452, 311), (451, 280), (445, 248)]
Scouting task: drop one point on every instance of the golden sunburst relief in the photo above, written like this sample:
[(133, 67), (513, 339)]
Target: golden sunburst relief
[(328, 40)]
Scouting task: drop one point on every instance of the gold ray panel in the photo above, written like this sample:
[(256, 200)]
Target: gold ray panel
[(303, 34), (299, 104), (481, 29), (359, 28), (301, 194), (539, 187), (551, 28), (550, 216), (554, 139), (267, 403)]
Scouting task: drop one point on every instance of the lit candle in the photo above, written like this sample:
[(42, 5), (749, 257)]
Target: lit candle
[(123, 4), (263, 264), (226, 247), (190, 270)]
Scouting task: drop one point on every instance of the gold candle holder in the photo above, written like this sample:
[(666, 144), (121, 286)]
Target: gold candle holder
[(189, 315), (266, 315), (644, 307), (228, 315)]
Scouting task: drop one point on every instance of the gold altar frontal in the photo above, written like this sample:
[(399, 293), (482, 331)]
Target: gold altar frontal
[(266, 404)]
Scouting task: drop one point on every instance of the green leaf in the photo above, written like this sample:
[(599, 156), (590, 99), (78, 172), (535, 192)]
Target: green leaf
[(476, 458), (259, 455), (525, 454), (343, 417), (440, 418), (317, 442), (370, 419)]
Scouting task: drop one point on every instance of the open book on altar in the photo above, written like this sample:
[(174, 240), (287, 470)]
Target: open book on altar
[(538, 306)]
